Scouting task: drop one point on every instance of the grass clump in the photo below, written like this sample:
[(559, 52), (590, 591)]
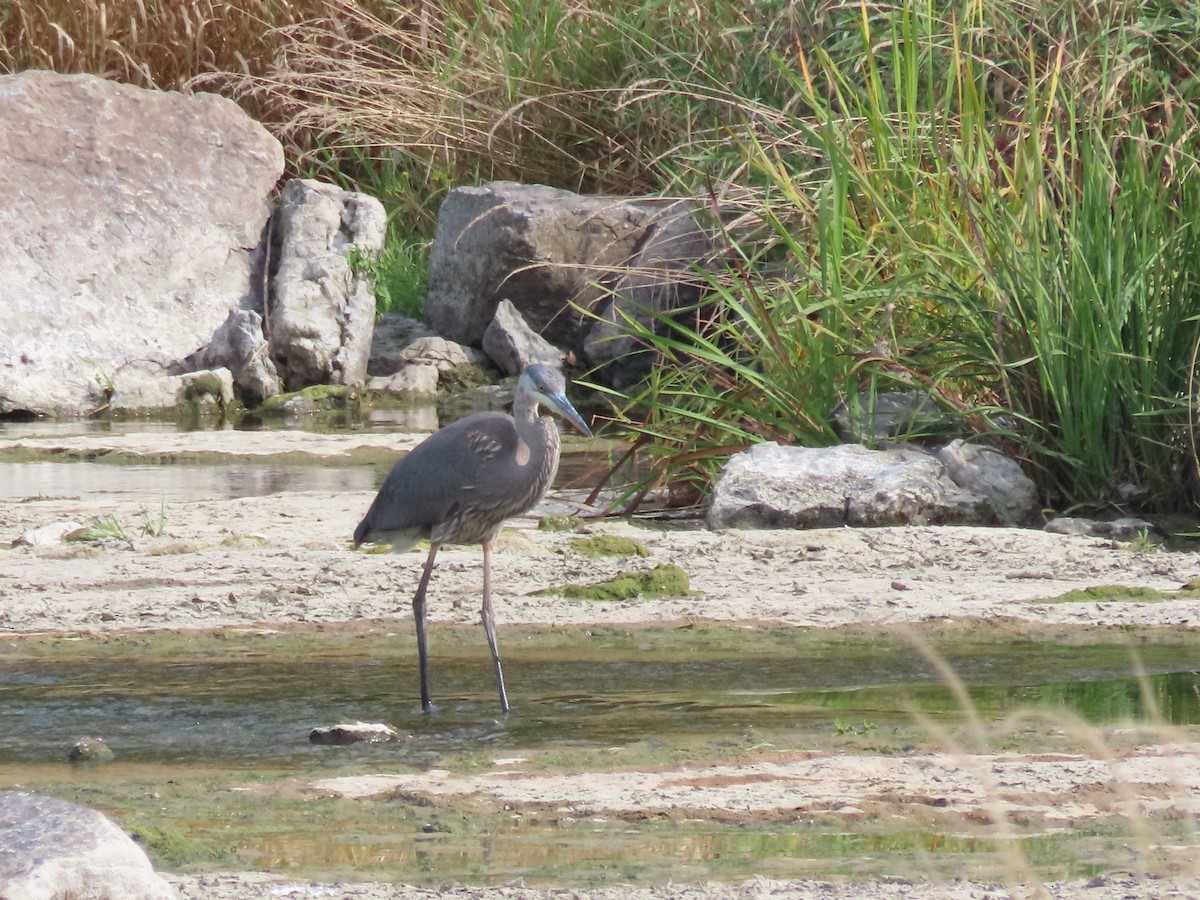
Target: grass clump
[(171, 848), (992, 210), (100, 529)]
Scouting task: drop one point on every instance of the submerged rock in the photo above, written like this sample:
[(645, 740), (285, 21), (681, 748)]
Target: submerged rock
[(352, 733), (90, 750)]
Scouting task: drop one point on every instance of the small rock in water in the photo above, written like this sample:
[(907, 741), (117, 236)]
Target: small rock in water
[(90, 751), (352, 733)]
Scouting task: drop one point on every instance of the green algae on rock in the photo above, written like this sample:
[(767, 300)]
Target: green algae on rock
[(318, 395)]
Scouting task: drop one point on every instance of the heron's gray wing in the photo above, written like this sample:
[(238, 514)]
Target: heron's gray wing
[(453, 467)]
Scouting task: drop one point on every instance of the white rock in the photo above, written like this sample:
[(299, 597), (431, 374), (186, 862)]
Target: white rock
[(50, 848), (47, 535), (770, 486), (131, 221), (323, 310)]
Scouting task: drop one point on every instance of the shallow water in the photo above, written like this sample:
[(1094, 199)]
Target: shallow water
[(205, 726), (187, 701), (175, 482), (172, 480), (211, 731)]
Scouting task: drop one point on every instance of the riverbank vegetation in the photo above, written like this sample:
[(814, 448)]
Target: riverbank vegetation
[(993, 203)]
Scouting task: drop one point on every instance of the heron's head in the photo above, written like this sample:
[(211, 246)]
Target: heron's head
[(546, 386)]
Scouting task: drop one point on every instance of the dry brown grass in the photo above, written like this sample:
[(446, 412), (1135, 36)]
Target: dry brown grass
[(150, 44), (466, 91), (159, 45), (576, 94)]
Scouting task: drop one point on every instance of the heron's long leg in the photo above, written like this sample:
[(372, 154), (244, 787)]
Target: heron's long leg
[(419, 617), (489, 625)]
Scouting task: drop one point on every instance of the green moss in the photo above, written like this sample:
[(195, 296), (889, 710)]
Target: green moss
[(609, 545), (464, 378), (560, 523), (1109, 593), (662, 581), (321, 394), (205, 385)]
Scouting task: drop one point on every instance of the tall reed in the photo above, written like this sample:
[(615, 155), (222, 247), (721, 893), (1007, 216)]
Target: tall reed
[(1013, 233)]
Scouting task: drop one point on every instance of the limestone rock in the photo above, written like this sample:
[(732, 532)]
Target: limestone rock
[(131, 221), (47, 535), (90, 751), (425, 362), (1077, 526), (986, 471), (51, 848), (241, 346), (352, 733), (770, 486), (1124, 528), (512, 345), (393, 333), (414, 380), (446, 356), (139, 389), (322, 308)]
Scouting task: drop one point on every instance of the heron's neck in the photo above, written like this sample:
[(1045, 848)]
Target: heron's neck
[(540, 436)]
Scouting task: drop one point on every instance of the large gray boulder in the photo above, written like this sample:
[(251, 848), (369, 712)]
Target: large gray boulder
[(131, 222), (240, 345), (986, 471), (664, 275), (512, 345), (322, 304), (769, 486), (555, 254), (50, 848), (536, 245)]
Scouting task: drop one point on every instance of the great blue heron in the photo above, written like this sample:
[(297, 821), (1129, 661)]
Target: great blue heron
[(460, 483)]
